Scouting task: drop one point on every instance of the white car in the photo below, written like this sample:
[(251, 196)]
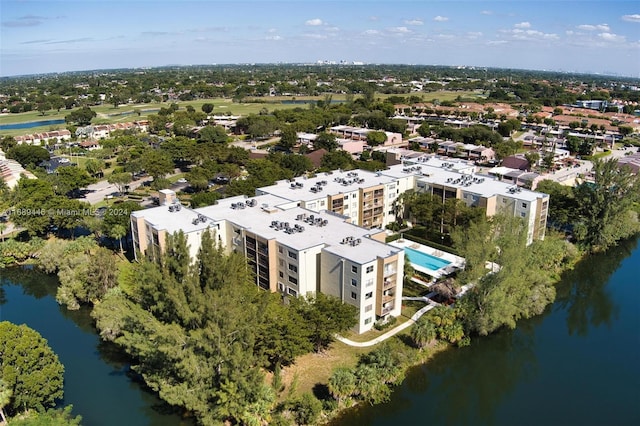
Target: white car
[(182, 180)]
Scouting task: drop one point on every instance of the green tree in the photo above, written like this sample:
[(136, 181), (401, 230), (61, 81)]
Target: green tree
[(94, 166), (51, 417), (342, 383), (423, 332), (424, 130), (605, 206), (157, 164), (80, 117), (207, 108), (43, 107), (306, 409), (214, 134), (120, 180), (375, 138), (28, 156), (30, 369), (325, 316), (326, 141), (6, 393), (288, 138), (70, 178)]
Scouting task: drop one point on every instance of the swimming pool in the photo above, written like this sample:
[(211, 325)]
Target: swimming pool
[(425, 260)]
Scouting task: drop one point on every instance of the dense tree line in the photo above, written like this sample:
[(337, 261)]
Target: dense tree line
[(201, 333), (598, 213), (520, 281)]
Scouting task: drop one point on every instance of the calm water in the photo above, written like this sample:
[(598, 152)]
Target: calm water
[(30, 124), (97, 378), (577, 364)]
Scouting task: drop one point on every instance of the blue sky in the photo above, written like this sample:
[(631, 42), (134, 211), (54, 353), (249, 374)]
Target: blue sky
[(562, 35)]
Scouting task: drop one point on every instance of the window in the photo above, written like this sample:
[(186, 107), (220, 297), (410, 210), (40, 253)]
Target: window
[(523, 214), (369, 269), (281, 274), (293, 255), (281, 262), (354, 269), (369, 282), (354, 282), (293, 268), (368, 295), (354, 295), (280, 249), (281, 286), (504, 201), (367, 321), (293, 280), (292, 292), (524, 205), (368, 308)]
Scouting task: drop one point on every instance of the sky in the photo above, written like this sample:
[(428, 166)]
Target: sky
[(599, 37)]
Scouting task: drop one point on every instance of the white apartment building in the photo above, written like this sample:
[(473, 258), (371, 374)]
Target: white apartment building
[(291, 249)]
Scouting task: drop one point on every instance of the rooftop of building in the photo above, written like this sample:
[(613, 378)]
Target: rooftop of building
[(269, 217), (323, 184)]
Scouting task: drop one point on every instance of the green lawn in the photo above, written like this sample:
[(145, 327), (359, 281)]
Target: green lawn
[(108, 114)]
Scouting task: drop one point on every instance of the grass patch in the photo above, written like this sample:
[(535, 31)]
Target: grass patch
[(314, 368), (412, 289)]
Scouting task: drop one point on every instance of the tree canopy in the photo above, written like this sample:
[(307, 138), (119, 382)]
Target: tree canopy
[(29, 368)]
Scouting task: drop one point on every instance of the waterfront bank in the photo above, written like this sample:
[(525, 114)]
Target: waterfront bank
[(574, 364)]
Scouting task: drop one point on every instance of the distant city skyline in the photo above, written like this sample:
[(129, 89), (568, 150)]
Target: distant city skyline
[(595, 37)]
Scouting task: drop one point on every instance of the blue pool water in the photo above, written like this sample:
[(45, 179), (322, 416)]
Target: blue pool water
[(425, 260)]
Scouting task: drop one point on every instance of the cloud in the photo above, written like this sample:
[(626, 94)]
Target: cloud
[(156, 33), (631, 18), (441, 18), (273, 37), (21, 23), (400, 30), (315, 36), (314, 22), (272, 30), (486, 12), (532, 35), (474, 34), (599, 27), (371, 32), (414, 22), (496, 42), (611, 37), (70, 41), (28, 21), (523, 25), (373, 18), (36, 41)]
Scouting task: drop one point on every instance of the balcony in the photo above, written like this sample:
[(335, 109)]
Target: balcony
[(390, 271), (386, 310), (388, 297), (388, 283)]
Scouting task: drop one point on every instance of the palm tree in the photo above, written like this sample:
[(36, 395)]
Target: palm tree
[(5, 398), (118, 231), (423, 332), (342, 383)]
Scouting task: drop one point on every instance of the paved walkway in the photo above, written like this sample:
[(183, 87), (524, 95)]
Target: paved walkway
[(430, 305)]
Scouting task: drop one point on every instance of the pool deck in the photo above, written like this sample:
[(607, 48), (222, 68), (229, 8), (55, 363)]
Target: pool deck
[(455, 262)]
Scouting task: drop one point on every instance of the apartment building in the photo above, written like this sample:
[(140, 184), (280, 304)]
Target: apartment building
[(290, 249), (365, 198), (443, 179)]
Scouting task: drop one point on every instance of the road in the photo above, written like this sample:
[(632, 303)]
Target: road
[(99, 191)]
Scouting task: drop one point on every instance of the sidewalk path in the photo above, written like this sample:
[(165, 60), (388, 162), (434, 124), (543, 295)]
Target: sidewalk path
[(430, 305)]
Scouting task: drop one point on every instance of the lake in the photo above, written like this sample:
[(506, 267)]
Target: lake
[(30, 124), (577, 364), (97, 378)]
